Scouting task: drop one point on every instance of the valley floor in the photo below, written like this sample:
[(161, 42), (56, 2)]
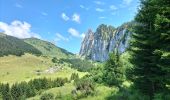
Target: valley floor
[(16, 69)]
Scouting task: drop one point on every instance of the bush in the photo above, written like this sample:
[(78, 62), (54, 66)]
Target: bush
[(58, 96), (84, 87), (74, 76), (96, 74), (127, 94), (47, 96)]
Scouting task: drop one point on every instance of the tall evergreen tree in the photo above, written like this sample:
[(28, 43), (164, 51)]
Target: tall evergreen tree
[(150, 69), (5, 89), (113, 72)]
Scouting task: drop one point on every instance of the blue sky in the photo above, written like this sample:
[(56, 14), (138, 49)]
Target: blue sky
[(63, 22)]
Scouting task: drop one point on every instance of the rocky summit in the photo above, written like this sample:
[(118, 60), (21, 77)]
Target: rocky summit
[(97, 45)]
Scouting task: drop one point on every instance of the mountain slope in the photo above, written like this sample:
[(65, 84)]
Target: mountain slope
[(97, 45), (14, 46), (47, 48)]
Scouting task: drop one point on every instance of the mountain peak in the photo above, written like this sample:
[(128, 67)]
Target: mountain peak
[(97, 45)]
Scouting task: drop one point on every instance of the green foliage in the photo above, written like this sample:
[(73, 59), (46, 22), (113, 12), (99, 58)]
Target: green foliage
[(79, 64), (113, 72), (58, 96), (127, 94), (129, 25), (23, 90), (48, 49), (84, 87), (74, 76), (96, 74), (47, 96), (5, 91), (13, 46), (56, 60), (162, 96), (150, 48)]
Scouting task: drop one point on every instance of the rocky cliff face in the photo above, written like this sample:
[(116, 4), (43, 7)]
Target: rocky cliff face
[(97, 45)]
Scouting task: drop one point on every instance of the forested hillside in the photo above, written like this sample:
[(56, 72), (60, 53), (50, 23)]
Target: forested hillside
[(48, 49), (10, 45), (13, 46)]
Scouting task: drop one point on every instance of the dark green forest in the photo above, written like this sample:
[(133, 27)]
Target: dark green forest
[(23, 90), (10, 45)]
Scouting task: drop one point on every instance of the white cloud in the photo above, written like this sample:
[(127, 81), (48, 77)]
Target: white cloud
[(75, 33), (76, 18), (82, 35), (65, 17), (112, 7), (127, 2), (18, 29), (59, 37), (83, 7), (44, 13), (99, 9), (102, 17), (99, 2), (18, 5)]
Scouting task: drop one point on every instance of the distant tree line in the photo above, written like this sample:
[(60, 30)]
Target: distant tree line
[(23, 90), (79, 64)]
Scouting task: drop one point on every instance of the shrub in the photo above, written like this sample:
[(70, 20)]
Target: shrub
[(47, 96), (84, 87), (127, 94), (58, 96), (74, 76)]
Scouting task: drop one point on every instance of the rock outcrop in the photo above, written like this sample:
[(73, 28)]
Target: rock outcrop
[(97, 45)]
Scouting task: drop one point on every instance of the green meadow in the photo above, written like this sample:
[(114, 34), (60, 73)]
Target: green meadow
[(27, 67)]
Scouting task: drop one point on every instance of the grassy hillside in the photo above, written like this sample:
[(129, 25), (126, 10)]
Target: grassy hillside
[(17, 69), (11, 45), (65, 93), (47, 48)]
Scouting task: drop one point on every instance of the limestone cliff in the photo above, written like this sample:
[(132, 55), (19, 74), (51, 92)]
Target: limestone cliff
[(97, 45)]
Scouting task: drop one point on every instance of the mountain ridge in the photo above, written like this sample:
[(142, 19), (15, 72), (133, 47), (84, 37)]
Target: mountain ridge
[(48, 48), (14, 46), (97, 45), (10, 45)]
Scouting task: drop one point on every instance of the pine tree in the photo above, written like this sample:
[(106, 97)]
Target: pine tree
[(113, 72), (5, 92), (149, 73), (162, 28)]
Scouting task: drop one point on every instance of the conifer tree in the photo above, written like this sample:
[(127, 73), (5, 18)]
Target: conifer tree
[(150, 67), (5, 92), (113, 72)]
